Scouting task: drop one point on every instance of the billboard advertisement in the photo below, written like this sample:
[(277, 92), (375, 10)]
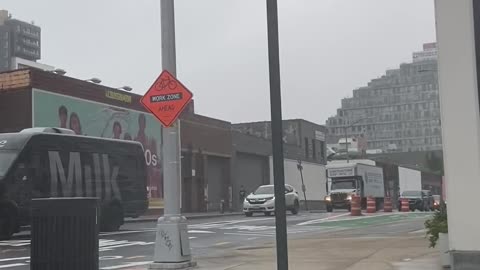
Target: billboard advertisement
[(96, 119)]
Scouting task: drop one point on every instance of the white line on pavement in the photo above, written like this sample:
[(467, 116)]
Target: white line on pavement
[(120, 232), (12, 265), (315, 221), (196, 231), (14, 259), (419, 231), (251, 234), (125, 265)]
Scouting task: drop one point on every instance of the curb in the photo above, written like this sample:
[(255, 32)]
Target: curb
[(192, 217)]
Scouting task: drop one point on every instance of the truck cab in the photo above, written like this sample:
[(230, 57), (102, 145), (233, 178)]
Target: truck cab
[(353, 179), (341, 191)]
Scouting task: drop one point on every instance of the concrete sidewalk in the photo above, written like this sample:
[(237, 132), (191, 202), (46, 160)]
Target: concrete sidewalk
[(358, 253), (189, 216)]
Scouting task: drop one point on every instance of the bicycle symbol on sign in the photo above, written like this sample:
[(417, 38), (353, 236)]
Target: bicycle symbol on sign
[(166, 82)]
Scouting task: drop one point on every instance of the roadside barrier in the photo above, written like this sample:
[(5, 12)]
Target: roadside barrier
[(356, 206), (387, 204), (371, 205), (405, 205)]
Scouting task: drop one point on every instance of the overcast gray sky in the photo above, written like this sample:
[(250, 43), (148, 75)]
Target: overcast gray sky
[(328, 47)]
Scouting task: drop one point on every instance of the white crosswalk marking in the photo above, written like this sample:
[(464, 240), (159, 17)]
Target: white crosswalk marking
[(15, 243), (12, 265), (109, 245), (104, 244), (14, 259)]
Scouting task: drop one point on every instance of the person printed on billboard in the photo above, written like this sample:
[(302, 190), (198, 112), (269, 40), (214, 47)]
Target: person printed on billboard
[(75, 123), (150, 146), (142, 125), (63, 116), (117, 130)]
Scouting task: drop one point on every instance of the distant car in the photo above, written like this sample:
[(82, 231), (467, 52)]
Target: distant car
[(436, 204), (417, 200), (262, 200)]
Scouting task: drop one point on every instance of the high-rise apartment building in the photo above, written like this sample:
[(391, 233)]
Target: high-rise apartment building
[(397, 112), (17, 40)]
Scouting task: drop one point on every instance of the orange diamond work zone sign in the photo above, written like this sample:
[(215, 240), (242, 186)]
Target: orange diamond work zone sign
[(166, 98)]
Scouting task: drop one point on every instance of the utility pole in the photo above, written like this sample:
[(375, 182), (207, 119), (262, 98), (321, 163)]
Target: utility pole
[(172, 247), (304, 188), (277, 134)]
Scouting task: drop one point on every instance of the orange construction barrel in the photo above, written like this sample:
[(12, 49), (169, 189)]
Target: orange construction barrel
[(387, 205), (355, 207), (405, 205), (371, 205)]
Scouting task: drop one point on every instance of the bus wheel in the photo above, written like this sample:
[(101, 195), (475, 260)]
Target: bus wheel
[(112, 218), (8, 221)]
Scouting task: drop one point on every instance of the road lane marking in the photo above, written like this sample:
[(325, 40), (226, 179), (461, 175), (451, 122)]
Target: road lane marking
[(419, 231), (377, 215), (125, 265), (127, 244), (135, 257), (219, 224), (197, 231), (14, 259), (192, 237), (12, 265), (315, 221), (222, 243), (251, 234), (106, 258), (15, 243), (121, 232)]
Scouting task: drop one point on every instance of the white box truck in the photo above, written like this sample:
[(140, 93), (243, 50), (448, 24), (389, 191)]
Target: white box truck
[(347, 179)]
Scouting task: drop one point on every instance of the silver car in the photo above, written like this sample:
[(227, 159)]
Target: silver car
[(263, 201)]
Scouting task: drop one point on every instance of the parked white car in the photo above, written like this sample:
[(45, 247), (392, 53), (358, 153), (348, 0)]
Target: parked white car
[(263, 200)]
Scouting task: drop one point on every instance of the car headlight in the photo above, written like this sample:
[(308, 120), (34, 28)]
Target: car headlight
[(270, 198), (327, 198)]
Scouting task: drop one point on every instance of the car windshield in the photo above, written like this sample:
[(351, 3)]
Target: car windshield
[(6, 160), (344, 184), (412, 193), (264, 190)]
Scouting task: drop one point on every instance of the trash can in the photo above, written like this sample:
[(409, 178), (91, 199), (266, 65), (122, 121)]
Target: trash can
[(64, 234)]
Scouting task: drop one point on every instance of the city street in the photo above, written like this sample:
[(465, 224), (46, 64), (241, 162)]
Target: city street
[(220, 237)]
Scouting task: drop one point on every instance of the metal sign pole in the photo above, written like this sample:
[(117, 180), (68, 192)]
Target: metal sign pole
[(277, 134), (172, 247)]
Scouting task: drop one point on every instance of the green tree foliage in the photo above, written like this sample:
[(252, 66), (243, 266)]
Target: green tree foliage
[(437, 224)]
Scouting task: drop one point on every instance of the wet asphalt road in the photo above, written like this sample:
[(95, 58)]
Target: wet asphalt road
[(133, 246)]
